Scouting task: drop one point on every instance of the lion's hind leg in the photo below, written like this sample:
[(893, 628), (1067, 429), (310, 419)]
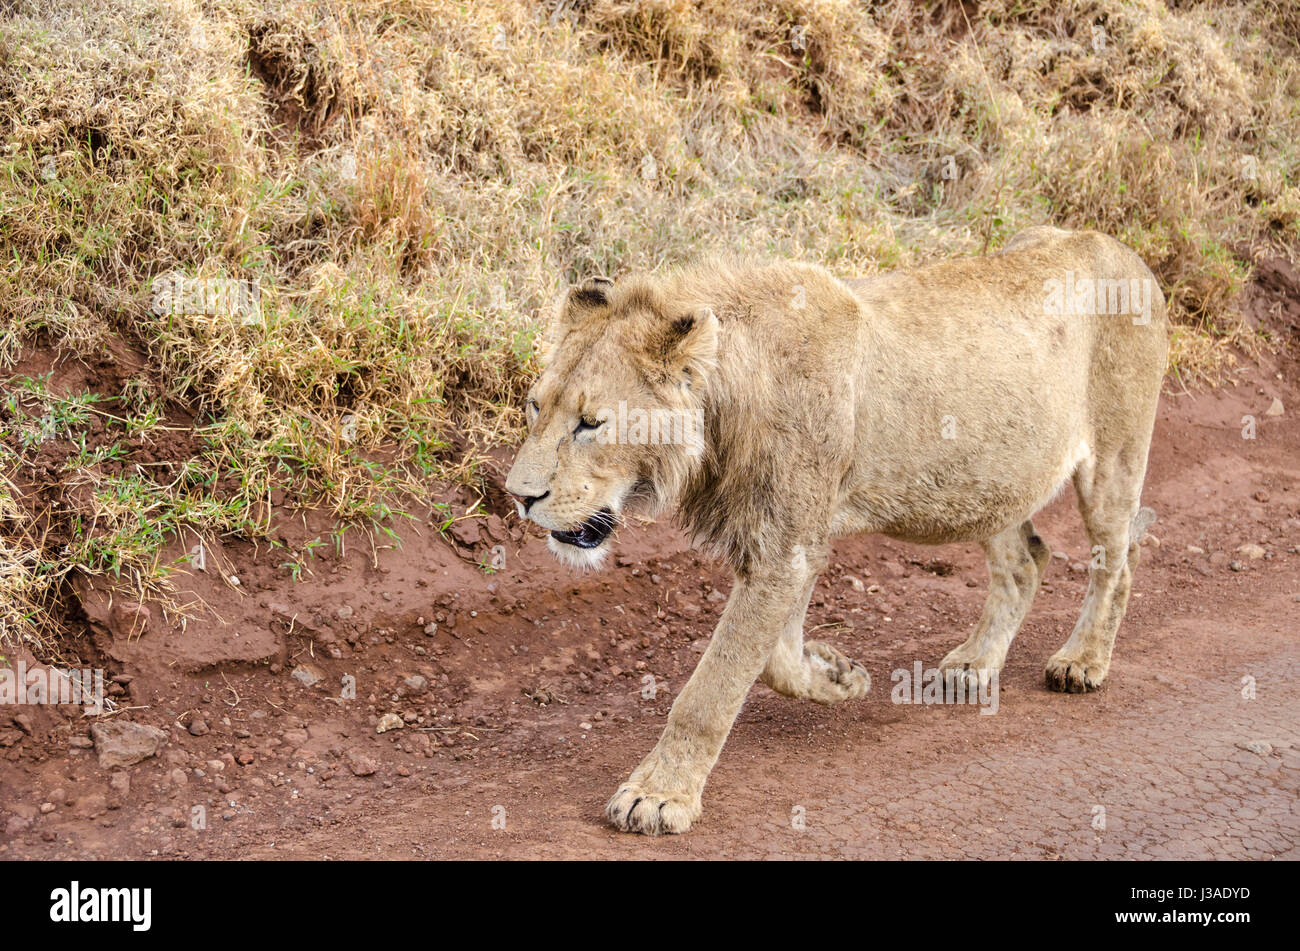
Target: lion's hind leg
[(1108, 501), (1017, 558), (813, 670)]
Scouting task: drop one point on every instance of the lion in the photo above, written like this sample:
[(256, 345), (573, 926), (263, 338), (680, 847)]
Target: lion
[(948, 403)]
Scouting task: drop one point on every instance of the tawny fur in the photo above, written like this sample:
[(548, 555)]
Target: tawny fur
[(942, 404)]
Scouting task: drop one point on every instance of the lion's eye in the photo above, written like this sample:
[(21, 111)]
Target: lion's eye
[(587, 424), (533, 409)]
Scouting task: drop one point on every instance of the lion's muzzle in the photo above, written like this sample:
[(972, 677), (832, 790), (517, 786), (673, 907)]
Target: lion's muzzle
[(591, 533)]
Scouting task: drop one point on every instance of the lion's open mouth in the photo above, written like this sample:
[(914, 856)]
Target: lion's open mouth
[(590, 533)]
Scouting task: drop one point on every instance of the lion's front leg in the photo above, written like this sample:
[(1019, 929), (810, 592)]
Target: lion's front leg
[(663, 793)]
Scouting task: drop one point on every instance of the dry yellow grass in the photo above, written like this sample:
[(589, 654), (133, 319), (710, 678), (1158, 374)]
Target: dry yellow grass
[(409, 183)]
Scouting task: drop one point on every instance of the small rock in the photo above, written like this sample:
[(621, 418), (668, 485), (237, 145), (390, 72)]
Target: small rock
[(431, 628), (360, 763), (415, 685), (177, 777), (584, 726), (215, 765), (122, 743), (1253, 552), (17, 825), (343, 613), (120, 782), (1236, 566), (129, 619), (91, 805), (1195, 550), (855, 583), (1259, 747), (466, 531), (1275, 408), (1261, 496), (306, 675), (389, 721), (47, 808), (198, 727)]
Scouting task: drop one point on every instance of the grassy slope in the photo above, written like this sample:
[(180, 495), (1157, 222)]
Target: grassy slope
[(410, 183)]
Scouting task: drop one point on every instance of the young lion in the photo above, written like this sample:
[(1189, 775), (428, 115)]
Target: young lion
[(777, 407)]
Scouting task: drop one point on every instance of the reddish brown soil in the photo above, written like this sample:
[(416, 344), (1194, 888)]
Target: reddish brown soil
[(534, 711)]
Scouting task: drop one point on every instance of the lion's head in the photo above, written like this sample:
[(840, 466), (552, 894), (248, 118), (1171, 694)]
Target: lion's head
[(615, 421)]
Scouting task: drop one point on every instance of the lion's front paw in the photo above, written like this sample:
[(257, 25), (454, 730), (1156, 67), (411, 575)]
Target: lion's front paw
[(1070, 674), (835, 676), (969, 671), (637, 808)]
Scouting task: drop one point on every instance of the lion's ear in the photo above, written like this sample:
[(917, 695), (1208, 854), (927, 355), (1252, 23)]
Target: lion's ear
[(587, 298), (687, 348)]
